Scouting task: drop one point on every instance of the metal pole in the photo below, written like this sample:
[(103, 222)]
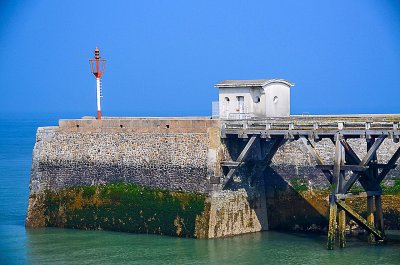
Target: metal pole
[(98, 98)]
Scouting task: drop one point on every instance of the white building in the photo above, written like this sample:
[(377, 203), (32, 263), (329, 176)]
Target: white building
[(240, 99)]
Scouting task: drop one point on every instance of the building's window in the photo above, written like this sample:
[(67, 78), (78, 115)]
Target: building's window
[(226, 99), (257, 99), (240, 108), (275, 100)]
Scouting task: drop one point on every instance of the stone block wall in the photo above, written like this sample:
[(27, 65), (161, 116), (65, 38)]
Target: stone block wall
[(174, 158), (84, 170), (91, 152)]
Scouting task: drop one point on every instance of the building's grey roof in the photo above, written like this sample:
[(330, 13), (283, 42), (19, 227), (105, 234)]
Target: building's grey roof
[(251, 83)]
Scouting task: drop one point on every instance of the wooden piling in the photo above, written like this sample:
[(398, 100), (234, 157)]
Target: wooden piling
[(332, 224), (342, 228), (334, 190), (379, 214), (370, 217), (341, 183)]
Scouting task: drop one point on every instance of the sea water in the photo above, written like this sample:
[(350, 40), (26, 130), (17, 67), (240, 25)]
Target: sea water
[(67, 246)]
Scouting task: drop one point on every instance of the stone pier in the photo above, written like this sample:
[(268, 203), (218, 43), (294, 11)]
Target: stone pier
[(158, 175)]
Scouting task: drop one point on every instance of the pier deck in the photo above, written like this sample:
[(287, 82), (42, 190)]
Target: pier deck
[(308, 129), (352, 126)]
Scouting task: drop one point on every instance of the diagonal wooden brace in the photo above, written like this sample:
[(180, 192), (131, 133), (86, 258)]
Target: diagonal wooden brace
[(278, 142), (351, 156), (365, 161), (391, 164), (239, 160), (313, 152), (360, 220), (266, 161)]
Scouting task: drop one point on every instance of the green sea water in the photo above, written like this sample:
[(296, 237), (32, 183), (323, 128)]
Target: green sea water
[(66, 246)]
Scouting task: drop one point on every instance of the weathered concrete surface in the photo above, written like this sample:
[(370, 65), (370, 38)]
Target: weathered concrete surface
[(166, 155), (237, 212), (77, 166)]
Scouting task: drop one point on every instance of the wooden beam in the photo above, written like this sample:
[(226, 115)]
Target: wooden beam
[(352, 158), (372, 151), (355, 168), (370, 217), (243, 135), (230, 164), (337, 166), (266, 161), (351, 155), (373, 174), (241, 157), (391, 162), (278, 142), (360, 220), (350, 182), (342, 228), (379, 214), (383, 166), (246, 149), (223, 131), (313, 152), (307, 132), (311, 149), (214, 180), (360, 195), (334, 190), (367, 158), (332, 224), (339, 171)]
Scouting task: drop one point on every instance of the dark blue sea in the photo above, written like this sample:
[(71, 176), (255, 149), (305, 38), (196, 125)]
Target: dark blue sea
[(66, 246)]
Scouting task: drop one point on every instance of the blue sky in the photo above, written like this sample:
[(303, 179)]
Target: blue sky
[(163, 57)]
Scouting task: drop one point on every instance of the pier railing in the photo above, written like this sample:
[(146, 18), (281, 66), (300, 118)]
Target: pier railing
[(316, 126)]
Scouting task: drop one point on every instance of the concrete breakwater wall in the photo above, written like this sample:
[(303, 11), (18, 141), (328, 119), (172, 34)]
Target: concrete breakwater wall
[(154, 176), (137, 175)]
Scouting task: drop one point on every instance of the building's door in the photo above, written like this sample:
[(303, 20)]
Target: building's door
[(240, 106)]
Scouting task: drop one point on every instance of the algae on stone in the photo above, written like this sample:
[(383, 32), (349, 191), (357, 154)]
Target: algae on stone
[(129, 208)]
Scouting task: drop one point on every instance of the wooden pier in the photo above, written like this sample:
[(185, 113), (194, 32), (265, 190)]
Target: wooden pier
[(338, 128)]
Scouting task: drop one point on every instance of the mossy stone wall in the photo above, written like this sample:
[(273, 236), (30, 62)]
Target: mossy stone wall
[(129, 208), (156, 181)]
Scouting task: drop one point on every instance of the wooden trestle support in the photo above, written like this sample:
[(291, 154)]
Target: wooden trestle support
[(366, 170)]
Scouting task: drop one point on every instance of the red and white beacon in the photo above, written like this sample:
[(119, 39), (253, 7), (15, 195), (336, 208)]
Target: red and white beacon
[(97, 66)]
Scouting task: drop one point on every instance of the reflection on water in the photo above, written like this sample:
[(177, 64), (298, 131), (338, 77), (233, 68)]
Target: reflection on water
[(65, 246)]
